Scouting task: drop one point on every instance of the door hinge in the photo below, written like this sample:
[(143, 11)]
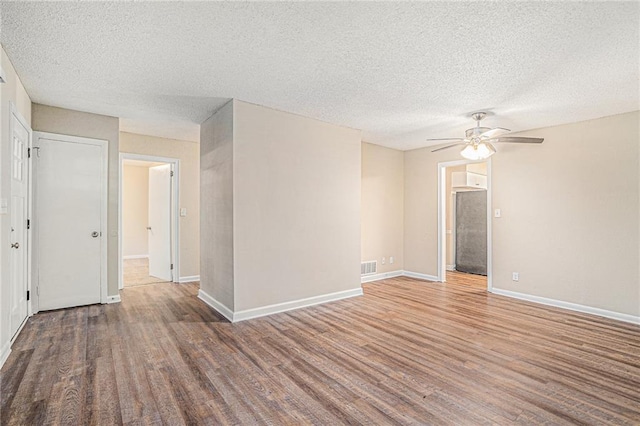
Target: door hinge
[(171, 173), (28, 152), (28, 223), (172, 266), (28, 294)]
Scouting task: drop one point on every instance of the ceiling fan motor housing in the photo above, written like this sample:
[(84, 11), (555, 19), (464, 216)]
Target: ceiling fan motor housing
[(478, 115), (476, 131)]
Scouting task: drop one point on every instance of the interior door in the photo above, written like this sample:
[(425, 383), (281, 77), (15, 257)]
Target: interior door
[(471, 232), (160, 222), (18, 233), (70, 195)]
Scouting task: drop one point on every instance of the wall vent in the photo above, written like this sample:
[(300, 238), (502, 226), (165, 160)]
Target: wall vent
[(368, 268)]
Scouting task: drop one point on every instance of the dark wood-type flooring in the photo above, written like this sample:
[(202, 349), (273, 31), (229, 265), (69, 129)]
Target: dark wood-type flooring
[(407, 352)]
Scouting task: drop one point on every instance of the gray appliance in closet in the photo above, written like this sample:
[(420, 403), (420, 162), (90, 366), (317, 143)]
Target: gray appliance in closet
[(471, 232)]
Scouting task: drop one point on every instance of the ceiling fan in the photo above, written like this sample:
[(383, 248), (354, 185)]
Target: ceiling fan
[(478, 140)]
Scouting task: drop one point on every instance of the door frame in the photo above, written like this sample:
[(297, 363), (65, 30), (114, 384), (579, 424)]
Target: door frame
[(15, 113), (175, 211), (104, 193), (442, 222)]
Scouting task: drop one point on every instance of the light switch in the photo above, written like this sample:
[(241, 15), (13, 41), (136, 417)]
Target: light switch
[(498, 213), (183, 212)]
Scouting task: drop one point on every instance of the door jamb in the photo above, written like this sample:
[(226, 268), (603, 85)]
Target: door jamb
[(175, 211), (442, 205), (104, 202)]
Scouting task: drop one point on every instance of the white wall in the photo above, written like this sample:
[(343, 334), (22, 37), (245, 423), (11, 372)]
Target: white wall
[(135, 210), (570, 211), (382, 198), (11, 91), (189, 155)]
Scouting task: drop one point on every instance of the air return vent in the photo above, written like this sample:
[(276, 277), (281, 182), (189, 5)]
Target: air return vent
[(368, 268)]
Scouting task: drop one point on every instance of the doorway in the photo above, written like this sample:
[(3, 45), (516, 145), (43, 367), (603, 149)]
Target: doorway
[(464, 223), (148, 220)]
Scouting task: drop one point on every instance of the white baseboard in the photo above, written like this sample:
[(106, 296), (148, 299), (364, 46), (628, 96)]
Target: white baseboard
[(217, 306), (399, 273), (4, 352), (420, 276), (136, 256), (113, 299), (277, 308), (189, 279), (380, 276), (568, 305), (295, 304)]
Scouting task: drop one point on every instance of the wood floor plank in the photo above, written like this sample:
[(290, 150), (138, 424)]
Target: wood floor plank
[(407, 352)]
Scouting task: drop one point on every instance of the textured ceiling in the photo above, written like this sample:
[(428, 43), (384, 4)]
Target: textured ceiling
[(401, 72)]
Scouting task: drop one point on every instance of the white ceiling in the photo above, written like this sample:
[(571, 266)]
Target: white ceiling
[(401, 72)]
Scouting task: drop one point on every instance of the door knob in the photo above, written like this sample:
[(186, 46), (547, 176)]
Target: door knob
[(15, 245), (148, 228), (95, 234)]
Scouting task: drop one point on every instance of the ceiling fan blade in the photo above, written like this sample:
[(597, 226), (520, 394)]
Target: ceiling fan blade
[(446, 139), (517, 139), (489, 134), (449, 146)]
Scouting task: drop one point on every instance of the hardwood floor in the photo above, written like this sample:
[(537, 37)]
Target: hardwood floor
[(136, 272), (407, 352), (469, 280)]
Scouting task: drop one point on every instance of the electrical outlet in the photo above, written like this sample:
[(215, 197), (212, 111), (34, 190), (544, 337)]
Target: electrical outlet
[(391, 259), (383, 261), (515, 276), (497, 213)]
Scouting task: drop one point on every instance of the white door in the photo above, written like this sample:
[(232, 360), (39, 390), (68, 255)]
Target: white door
[(160, 222), (70, 205), (18, 232)]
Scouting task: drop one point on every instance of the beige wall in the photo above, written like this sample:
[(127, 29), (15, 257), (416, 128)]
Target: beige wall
[(189, 155), (479, 168), (382, 205), (135, 210), (13, 91), (570, 211), (280, 198), (216, 206), (75, 123), (296, 207), (449, 209)]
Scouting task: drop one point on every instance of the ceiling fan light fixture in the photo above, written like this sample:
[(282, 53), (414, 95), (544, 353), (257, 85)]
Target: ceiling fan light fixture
[(476, 144), (480, 151)]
